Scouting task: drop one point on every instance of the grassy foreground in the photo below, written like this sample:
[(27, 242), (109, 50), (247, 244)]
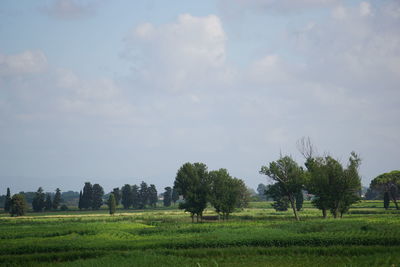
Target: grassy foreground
[(258, 236)]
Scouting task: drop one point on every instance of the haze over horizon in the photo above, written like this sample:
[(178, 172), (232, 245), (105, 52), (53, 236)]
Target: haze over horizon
[(117, 92)]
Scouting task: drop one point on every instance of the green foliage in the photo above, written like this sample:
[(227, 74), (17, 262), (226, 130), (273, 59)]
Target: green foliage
[(281, 201), (38, 202), (135, 197), (7, 201), (152, 195), (64, 207), (80, 200), (117, 195), (57, 199), (144, 196), (87, 196), (192, 182), (299, 200), (386, 200), (288, 176), (225, 192), (48, 203), (261, 188), (18, 205), (97, 196), (111, 204), (175, 195), (167, 196), (126, 196), (388, 183)]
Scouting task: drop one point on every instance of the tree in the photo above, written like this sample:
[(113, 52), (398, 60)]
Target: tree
[(111, 204), (193, 184), (7, 202), (152, 195), (57, 199), (335, 188), (80, 200), (386, 200), (48, 203), (87, 196), (299, 200), (388, 183), (135, 197), (126, 198), (143, 195), (261, 191), (38, 202), (226, 192), (281, 201), (97, 196), (117, 195), (289, 177), (18, 206), (167, 196), (175, 195)]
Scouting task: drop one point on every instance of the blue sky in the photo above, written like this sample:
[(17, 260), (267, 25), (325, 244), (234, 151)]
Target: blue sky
[(117, 92)]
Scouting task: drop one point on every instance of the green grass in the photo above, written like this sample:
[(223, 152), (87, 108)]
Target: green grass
[(257, 236)]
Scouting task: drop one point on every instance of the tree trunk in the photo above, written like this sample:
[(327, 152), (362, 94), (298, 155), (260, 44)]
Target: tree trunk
[(192, 218), (324, 213), (291, 199)]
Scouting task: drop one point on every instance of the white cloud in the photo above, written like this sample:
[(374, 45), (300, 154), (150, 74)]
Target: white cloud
[(171, 56), (27, 62)]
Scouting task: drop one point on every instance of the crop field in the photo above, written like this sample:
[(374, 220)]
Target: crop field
[(256, 236)]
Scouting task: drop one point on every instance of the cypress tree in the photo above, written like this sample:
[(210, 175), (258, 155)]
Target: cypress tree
[(152, 196), (143, 195), (386, 200), (175, 195), (299, 200), (38, 202), (126, 198), (97, 196), (135, 197), (80, 200), (117, 195), (167, 196), (7, 203), (57, 199), (111, 204), (87, 196), (48, 204)]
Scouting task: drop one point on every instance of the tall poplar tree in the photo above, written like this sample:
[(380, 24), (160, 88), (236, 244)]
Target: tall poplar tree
[(57, 199), (87, 196), (126, 198), (167, 196), (143, 195), (7, 202), (97, 196)]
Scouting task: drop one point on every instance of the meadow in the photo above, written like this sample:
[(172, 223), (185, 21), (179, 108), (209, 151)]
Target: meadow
[(256, 236)]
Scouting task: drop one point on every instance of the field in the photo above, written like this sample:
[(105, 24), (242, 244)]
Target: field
[(257, 236)]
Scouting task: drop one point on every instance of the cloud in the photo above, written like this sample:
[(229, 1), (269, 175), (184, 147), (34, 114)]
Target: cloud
[(171, 56), (70, 9), (27, 62)]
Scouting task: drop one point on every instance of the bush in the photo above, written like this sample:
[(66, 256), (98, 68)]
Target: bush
[(64, 207)]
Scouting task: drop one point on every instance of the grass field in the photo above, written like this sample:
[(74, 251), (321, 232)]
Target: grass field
[(257, 236)]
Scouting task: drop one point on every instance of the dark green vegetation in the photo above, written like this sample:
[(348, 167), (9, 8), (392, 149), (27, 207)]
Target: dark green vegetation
[(255, 236)]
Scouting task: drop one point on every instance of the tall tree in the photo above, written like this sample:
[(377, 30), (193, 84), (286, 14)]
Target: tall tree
[(299, 200), (48, 203), (225, 192), (192, 182), (388, 183), (152, 195), (97, 196), (80, 200), (281, 201), (111, 204), (126, 198), (135, 197), (167, 196), (57, 199), (175, 195), (18, 206), (143, 195), (117, 195), (7, 202), (38, 202), (289, 177), (87, 196), (261, 191)]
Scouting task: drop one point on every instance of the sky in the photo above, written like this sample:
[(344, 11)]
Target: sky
[(117, 92)]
